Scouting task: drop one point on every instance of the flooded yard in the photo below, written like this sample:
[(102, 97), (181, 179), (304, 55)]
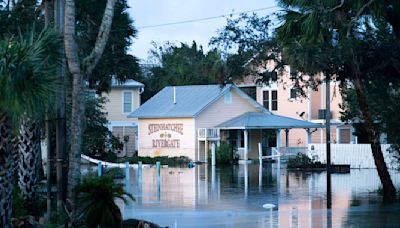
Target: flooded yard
[(257, 196)]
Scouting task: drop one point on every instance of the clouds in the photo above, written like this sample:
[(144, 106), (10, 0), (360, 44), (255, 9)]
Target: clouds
[(153, 12)]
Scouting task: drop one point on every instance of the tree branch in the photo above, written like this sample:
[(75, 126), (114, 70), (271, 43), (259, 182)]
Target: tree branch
[(358, 15), (90, 62), (337, 7)]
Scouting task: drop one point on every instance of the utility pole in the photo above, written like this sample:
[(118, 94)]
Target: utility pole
[(61, 121), (328, 141)]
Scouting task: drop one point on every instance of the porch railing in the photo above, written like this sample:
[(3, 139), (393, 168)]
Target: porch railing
[(208, 133)]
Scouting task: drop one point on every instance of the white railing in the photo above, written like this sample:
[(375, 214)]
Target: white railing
[(274, 155), (208, 133)]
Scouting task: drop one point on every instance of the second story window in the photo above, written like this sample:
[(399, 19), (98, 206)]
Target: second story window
[(294, 93), (270, 99), (127, 102), (266, 99), (274, 100)]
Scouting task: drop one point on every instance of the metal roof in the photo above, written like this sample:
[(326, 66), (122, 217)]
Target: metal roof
[(259, 120), (190, 101), (126, 84)]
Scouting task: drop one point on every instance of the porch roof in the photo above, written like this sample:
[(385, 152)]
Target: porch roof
[(259, 120)]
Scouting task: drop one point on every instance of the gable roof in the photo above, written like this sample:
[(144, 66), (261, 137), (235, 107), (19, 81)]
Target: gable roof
[(190, 101), (126, 84), (258, 120)]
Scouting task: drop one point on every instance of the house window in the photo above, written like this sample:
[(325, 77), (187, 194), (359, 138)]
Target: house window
[(266, 99), (294, 93), (274, 100), (127, 102)]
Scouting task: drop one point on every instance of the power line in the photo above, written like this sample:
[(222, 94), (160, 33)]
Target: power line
[(203, 19)]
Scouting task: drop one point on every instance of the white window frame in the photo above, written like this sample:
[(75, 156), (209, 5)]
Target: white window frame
[(123, 99), (270, 98), (289, 94)]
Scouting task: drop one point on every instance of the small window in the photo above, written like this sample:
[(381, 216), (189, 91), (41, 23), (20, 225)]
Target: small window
[(127, 102), (228, 98), (274, 100), (266, 99), (294, 93)]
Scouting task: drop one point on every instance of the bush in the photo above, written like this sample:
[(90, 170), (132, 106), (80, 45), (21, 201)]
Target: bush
[(223, 154), (300, 161), (96, 197), (164, 160)]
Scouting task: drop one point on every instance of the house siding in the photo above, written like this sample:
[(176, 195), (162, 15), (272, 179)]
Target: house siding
[(114, 105), (219, 112)]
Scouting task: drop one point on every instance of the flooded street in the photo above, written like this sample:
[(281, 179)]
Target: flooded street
[(238, 196)]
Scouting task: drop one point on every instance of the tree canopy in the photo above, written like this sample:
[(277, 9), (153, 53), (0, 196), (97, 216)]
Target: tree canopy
[(181, 65)]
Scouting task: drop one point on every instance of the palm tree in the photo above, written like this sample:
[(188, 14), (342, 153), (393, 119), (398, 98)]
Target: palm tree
[(28, 82), (97, 197), (29, 154)]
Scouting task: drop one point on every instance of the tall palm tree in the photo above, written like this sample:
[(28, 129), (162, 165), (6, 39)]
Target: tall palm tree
[(28, 82)]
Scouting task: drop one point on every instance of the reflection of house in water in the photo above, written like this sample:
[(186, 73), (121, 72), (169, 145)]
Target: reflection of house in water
[(185, 120), (300, 198)]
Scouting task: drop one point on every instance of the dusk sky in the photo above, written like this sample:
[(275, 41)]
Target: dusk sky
[(156, 12)]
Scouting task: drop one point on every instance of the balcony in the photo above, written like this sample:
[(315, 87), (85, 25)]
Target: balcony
[(208, 134)]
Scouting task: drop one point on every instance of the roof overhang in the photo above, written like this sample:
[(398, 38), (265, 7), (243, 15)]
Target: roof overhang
[(260, 120)]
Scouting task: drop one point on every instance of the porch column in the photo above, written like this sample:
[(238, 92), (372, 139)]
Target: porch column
[(206, 150), (337, 135), (308, 136), (287, 137), (278, 139), (246, 144)]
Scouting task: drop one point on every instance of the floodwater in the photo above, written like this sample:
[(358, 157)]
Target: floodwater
[(242, 196)]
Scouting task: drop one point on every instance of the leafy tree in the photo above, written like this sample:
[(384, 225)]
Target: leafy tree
[(182, 65), (115, 61), (342, 39), (98, 141), (339, 40)]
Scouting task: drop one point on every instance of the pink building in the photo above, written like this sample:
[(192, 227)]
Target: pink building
[(282, 98)]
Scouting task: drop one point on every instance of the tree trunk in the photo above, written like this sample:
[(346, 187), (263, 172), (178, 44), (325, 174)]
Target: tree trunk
[(71, 52), (28, 163), (61, 121), (6, 166), (78, 97), (389, 191)]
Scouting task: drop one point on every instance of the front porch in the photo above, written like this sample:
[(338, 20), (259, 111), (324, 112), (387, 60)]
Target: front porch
[(249, 130)]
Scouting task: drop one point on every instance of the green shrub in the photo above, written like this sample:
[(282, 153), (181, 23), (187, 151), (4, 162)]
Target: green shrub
[(223, 153)]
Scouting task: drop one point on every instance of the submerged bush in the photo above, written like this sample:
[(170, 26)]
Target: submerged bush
[(223, 154), (300, 161), (164, 160)]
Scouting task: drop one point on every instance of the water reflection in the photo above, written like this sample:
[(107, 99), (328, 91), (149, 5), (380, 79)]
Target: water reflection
[(234, 196)]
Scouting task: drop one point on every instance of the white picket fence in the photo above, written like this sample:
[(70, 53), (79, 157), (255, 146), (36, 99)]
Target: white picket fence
[(358, 156)]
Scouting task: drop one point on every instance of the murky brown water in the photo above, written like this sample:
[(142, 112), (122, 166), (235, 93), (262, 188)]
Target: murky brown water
[(234, 197)]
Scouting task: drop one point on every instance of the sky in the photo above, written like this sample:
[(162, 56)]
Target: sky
[(156, 12)]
